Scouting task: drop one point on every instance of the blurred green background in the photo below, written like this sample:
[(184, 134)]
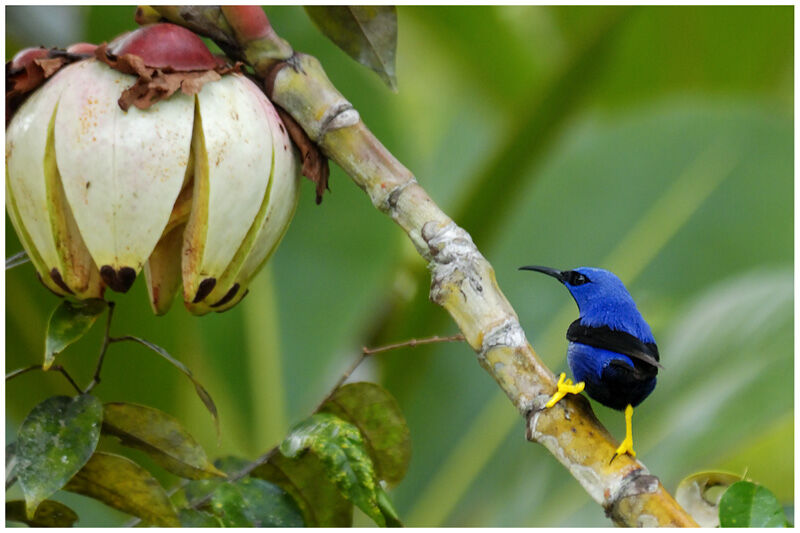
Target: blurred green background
[(656, 142)]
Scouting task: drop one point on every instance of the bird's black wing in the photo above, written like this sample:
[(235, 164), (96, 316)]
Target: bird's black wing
[(615, 341)]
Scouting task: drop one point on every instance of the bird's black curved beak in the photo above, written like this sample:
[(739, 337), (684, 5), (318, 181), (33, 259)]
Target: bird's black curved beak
[(560, 275)]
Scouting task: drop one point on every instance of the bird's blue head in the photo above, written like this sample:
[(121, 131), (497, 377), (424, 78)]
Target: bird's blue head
[(602, 299)]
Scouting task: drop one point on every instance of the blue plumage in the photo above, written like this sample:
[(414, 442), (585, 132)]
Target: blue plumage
[(611, 349), (604, 301)]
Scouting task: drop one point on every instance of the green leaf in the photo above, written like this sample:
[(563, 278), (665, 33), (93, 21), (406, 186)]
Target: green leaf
[(194, 518), (304, 478), (49, 514), (368, 34), (746, 504), (388, 510), (55, 440), (231, 464), (377, 416), (199, 489), (205, 397), (340, 447), (160, 436), (122, 484), (251, 502), (700, 493), (69, 322)]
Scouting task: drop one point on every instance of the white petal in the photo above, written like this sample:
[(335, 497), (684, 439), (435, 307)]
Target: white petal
[(26, 140), (33, 254), (122, 171), (233, 150), (283, 194)]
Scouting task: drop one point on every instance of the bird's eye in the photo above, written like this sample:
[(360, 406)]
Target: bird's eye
[(576, 278)]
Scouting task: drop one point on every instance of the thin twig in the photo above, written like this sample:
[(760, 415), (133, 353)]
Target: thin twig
[(18, 372), (412, 343), (343, 378), (17, 259), (68, 377), (366, 352), (103, 349), (236, 476)]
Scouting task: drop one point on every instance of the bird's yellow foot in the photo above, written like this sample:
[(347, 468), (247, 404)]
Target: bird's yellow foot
[(627, 442), (565, 387)]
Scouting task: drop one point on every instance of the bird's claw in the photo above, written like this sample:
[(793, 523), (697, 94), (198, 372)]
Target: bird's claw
[(625, 447), (565, 386)]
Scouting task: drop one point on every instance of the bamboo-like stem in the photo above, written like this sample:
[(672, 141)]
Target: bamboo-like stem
[(463, 282)]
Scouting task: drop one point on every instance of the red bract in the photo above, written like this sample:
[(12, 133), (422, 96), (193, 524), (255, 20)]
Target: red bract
[(166, 46), (27, 56)]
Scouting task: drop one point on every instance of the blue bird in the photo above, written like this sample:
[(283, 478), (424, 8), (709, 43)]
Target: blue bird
[(611, 352)]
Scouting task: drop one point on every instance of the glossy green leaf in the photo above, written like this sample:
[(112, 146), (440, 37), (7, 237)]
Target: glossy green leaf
[(252, 502), (198, 489), (69, 322), (49, 514), (161, 436), (368, 34), (699, 495), (305, 479), (340, 447), (56, 439), (122, 484), (231, 464), (377, 416), (229, 506), (194, 518), (746, 504)]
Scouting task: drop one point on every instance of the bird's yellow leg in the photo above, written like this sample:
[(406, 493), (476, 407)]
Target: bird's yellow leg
[(565, 387), (627, 443)]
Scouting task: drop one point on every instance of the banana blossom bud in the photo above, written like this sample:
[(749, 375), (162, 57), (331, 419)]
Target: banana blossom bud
[(150, 155)]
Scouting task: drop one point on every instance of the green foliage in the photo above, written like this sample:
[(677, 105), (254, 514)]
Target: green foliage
[(193, 518), (746, 504), (54, 442), (341, 449), (305, 479), (251, 502), (69, 322), (159, 435), (377, 416), (122, 484), (368, 34), (49, 514)]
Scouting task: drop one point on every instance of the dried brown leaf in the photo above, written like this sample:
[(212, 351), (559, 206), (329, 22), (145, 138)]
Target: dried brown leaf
[(21, 80), (315, 163), (155, 84)]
